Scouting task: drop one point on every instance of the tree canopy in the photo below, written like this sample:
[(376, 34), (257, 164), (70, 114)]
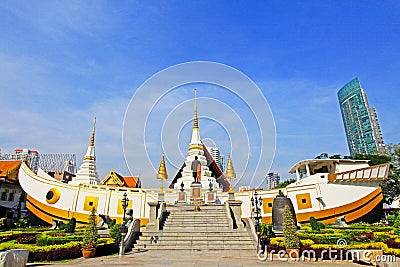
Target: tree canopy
[(286, 183)]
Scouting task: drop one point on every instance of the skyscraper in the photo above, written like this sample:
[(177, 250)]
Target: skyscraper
[(364, 135), (219, 159), (272, 180)]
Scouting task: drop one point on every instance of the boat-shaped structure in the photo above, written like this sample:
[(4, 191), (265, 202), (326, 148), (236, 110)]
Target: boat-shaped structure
[(332, 189)]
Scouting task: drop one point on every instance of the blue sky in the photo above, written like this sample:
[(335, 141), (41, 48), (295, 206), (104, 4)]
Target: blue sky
[(64, 62)]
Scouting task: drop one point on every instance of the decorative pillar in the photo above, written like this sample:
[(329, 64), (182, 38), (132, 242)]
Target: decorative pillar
[(153, 215), (235, 206), (297, 174), (308, 170)]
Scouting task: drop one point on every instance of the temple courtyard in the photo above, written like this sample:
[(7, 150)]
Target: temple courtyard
[(191, 258)]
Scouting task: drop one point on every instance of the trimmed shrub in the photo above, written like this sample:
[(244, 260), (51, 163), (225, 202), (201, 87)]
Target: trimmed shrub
[(266, 231), (29, 238), (44, 240), (314, 224), (107, 249), (115, 232), (53, 253), (21, 223), (112, 223), (70, 227), (91, 235), (290, 230), (391, 219)]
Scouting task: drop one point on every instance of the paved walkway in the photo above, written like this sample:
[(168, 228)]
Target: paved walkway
[(190, 258)]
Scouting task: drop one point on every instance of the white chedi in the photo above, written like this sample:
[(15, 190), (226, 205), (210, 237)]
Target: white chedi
[(196, 149), (87, 173)]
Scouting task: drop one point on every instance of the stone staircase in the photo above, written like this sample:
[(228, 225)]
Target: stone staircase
[(187, 229)]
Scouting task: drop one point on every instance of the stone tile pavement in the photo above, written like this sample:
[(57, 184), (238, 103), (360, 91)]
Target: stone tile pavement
[(189, 258)]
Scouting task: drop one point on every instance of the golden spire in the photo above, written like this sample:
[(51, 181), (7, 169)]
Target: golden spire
[(162, 171), (94, 129), (195, 121), (230, 172)]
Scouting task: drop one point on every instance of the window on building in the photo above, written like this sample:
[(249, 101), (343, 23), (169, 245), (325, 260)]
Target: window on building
[(11, 196), (3, 196)]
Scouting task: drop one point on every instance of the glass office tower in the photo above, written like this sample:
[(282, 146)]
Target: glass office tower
[(364, 135)]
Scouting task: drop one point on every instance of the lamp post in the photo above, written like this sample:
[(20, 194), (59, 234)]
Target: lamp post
[(123, 228), (256, 201), (125, 204)]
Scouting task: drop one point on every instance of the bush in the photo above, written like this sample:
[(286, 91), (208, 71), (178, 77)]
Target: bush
[(29, 238), (70, 227), (112, 223), (391, 219), (3, 223), (53, 240), (391, 243), (61, 225), (266, 231), (397, 221), (314, 224), (53, 253), (107, 249), (290, 230), (115, 232), (21, 223)]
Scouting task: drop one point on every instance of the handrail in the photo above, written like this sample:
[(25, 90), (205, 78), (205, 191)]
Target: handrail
[(162, 215)]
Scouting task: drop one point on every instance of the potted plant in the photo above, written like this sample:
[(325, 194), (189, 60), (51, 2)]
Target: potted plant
[(90, 236), (292, 242)]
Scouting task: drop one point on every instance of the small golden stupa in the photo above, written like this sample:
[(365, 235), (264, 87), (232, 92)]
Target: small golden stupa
[(230, 172), (162, 173)]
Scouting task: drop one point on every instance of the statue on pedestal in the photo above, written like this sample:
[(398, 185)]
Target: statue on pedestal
[(195, 165)]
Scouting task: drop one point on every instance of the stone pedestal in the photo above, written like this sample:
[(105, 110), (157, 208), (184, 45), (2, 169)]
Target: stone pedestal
[(161, 197), (152, 216), (211, 198), (196, 198), (235, 207), (231, 196), (182, 197)]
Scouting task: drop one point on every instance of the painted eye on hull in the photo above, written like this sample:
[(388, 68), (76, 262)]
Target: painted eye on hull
[(53, 195)]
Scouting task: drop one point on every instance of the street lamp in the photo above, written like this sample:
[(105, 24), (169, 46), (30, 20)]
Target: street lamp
[(125, 204), (256, 201), (123, 229)]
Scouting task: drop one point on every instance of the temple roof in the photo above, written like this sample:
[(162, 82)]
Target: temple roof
[(9, 170), (115, 179)]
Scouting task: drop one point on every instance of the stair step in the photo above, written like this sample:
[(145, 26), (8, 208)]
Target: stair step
[(201, 247), (186, 229)]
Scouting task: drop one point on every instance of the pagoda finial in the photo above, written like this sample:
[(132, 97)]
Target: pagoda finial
[(230, 172), (195, 121), (94, 129), (162, 173)]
